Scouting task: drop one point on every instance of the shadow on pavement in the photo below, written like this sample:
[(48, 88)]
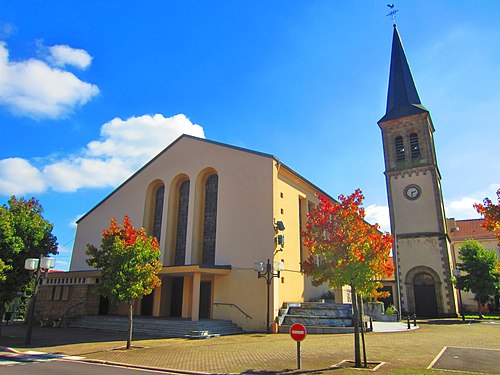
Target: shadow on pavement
[(14, 335), (289, 372)]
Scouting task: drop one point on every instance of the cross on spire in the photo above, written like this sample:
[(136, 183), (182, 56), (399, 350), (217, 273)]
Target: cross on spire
[(392, 13)]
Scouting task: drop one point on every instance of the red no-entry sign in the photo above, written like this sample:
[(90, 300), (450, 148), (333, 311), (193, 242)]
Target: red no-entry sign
[(298, 332)]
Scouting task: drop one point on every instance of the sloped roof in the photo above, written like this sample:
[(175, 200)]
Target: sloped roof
[(402, 96), (471, 229), (205, 141)]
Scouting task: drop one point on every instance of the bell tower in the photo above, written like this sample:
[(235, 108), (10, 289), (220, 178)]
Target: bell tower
[(422, 246)]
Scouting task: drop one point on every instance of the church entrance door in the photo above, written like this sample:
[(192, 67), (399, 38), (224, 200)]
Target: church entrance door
[(424, 289), (176, 301), (205, 299), (147, 304)]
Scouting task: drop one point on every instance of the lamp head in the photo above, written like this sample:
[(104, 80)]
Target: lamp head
[(31, 264), (259, 266), (47, 263)]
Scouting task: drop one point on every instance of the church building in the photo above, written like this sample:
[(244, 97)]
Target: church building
[(222, 213), (217, 210)]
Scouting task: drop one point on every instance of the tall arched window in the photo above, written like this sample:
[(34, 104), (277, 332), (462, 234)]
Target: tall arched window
[(158, 211), (400, 148), (414, 146), (210, 219), (182, 222)]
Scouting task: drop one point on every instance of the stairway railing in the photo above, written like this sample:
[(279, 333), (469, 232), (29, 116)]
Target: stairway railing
[(232, 305)]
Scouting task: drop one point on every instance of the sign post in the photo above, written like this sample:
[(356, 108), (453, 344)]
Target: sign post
[(298, 333)]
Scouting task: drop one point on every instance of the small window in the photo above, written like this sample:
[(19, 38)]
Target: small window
[(52, 298), (400, 148), (65, 293), (414, 146)]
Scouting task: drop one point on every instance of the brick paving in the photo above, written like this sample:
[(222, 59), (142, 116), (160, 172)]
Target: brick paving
[(261, 353)]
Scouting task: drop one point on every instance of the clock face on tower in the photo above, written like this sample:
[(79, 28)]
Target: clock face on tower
[(412, 192)]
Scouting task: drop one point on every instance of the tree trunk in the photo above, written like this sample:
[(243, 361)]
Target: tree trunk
[(355, 313), (130, 317), (361, 314), (479, 309)]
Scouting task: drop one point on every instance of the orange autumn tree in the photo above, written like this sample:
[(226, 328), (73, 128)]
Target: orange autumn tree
[(129, 263), (491, 213), (346, 250)]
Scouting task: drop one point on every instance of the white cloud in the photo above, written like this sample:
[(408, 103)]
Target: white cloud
[(140, 138), (462, 207), (124, 146), (62, 55), (33, 88), (18, 176), (380, 215)]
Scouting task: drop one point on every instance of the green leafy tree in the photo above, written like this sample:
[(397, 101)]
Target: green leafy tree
[(24, 233), (3, 268), (345, 250), (129, 265), (481, 274)]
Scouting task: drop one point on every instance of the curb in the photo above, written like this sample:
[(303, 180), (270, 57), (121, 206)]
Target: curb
[(140, 367)]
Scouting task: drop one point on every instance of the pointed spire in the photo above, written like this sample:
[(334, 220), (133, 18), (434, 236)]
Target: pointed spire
[(402, 98)]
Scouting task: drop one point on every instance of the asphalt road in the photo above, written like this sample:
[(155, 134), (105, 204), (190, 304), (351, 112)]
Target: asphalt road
[(70, 368), (24, 365)]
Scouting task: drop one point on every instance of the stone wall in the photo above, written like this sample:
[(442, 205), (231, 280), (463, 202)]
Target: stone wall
[(62, 302)]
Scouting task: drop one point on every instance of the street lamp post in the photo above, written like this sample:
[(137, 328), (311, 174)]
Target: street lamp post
[(456, 273), (41, 266), (268, 272)]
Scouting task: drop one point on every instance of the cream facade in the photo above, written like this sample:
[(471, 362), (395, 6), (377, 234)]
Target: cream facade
[(423, 256), (215, 210)]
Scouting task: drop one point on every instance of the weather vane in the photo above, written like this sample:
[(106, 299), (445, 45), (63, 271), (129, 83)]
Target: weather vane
[(392, 13)]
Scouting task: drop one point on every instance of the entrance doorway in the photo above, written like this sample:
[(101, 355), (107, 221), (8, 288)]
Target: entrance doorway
[(176, 301), (424, 289), (205, 299), (103, 305), (147, 304)]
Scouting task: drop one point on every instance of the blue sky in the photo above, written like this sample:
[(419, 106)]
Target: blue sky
[(91, 90)]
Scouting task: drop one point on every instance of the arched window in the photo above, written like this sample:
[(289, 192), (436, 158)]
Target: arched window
[(400, 148), (182, 222), (210, 219), (414, 146), (158, 211)]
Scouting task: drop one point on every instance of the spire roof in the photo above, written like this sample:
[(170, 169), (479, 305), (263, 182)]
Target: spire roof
[(402, 98)]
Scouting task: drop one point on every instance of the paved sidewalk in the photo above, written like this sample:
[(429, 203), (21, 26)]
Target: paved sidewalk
[(393, 326), (412, 349)]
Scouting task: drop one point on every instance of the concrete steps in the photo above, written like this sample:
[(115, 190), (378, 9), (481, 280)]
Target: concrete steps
[(317, 317), (158, 327)]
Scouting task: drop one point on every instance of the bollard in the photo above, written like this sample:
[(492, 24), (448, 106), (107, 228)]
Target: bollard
[(415, 320), (408, 321)]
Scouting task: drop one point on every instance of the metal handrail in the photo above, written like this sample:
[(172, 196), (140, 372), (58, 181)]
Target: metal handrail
[(233, 305)]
